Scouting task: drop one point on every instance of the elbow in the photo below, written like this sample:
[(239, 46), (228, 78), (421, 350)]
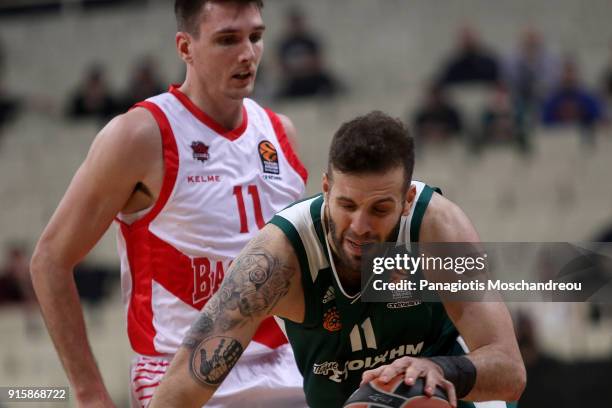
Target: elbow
[(520, 382), (37, 261), (43, 262)]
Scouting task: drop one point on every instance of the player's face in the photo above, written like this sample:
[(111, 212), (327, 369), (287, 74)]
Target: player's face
[(227, 51), (364, 209)]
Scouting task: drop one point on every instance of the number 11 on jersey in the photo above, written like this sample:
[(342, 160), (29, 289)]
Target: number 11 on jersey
[(254, 193), (368, 334)]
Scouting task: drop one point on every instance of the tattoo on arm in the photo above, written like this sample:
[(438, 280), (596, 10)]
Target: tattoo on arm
[(212, 368), (253, 286)]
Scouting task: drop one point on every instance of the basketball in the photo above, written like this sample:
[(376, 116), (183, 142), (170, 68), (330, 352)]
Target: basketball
[(396, 394)]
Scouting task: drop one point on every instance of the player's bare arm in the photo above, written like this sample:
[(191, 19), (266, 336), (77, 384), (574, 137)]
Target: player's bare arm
[(264, 280), (123, 171), (290, 130), (485, 327)]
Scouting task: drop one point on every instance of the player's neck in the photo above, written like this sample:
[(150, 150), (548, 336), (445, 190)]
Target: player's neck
[(225, 111), (349, 279)]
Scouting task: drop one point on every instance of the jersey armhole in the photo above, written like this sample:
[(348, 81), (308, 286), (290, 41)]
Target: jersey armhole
[(285, 145), (171, 163), (419, 211), (300, 252)]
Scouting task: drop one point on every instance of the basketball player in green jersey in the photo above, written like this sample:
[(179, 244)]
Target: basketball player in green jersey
[(304, 267)]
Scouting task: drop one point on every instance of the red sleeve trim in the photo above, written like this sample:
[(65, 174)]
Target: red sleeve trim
[(171, 161), (286, 147)]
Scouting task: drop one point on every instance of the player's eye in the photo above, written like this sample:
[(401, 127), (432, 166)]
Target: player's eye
[(256, 37), (227, 40), (381, 210)]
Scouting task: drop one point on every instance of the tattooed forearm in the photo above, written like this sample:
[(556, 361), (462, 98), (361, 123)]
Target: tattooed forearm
[(255, 283), (213, 359)]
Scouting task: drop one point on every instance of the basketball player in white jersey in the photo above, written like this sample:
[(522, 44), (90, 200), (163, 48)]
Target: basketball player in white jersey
[(189, 175)]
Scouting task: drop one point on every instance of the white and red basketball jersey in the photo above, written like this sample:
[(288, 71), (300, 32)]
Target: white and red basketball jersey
[(219, 189)]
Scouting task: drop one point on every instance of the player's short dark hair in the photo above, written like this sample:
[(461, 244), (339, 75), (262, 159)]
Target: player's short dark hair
[(372, 143), (187, 12)]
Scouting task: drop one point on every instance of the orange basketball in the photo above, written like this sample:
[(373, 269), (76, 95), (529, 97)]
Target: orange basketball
[(396, 394)]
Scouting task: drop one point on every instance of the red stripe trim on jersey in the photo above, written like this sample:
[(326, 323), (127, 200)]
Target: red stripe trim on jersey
[(209, 121), (153, 363), (145, 397), (138, 242), (286, 147), (141, 331), (268, 333), (143, 377), (142, 387), (120, 221), (171, 162), (144, 370)]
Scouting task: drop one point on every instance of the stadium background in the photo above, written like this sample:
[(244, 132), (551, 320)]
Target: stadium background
[(384, 53)]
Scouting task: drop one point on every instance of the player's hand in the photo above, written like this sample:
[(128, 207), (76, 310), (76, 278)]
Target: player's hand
[(414, 368)]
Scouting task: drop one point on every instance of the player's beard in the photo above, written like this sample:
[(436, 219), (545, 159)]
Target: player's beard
[(349, 267)]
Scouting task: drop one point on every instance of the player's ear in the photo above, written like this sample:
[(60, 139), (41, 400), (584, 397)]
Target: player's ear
[(183, 46), (326, 185), (410, 195)]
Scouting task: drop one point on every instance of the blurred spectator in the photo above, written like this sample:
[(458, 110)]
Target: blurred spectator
[(10, 276), (502, 122), (437, 120), (554, 383), (471, 62), (16, 285), (2, 58), (95, 282), (572, 103), (601, 311), (145, 82), (541, 390), (531, 71), (93, 98), (9, 105), (607, 79), (301, 61), (605, 235)]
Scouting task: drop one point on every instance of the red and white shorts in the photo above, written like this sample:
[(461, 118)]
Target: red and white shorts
[(262, 377)]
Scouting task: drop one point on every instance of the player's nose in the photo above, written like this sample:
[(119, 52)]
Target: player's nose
[(247, 53), (360, 223)]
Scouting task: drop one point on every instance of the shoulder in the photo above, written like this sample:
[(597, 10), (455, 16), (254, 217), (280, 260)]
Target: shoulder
[(307, 210), (445, 221), (136, 129), (137, 125), (277, 119), (134, 134), (289, 128)]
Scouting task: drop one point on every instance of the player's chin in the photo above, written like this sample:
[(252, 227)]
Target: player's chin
[(241, 89), (354, 261), (240, 93)]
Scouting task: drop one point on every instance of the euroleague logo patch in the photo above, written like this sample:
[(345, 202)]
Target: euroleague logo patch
[(269, 157), (331, 320), (200, 151)]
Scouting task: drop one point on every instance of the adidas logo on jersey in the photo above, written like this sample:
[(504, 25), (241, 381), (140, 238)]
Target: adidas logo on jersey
[(329, 295)]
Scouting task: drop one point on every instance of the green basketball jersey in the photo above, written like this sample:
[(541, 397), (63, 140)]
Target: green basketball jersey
[(341, 336)]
